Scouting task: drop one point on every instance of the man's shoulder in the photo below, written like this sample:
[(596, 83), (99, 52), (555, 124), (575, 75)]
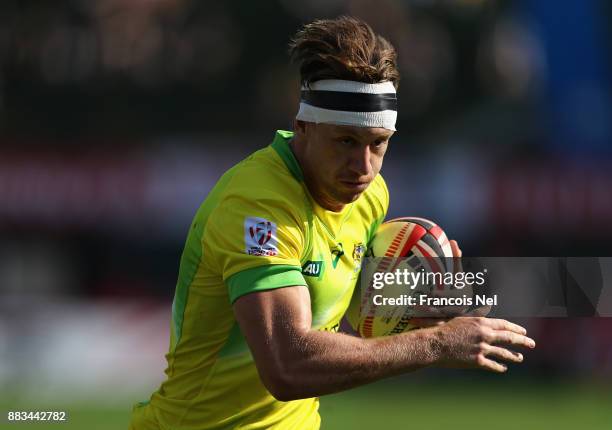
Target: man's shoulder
[(260, 185), (263, 175)]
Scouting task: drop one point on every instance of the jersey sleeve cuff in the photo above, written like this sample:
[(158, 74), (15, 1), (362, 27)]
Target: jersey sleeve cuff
[(263, 278)]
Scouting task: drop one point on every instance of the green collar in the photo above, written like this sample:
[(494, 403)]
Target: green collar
[(281, 146)]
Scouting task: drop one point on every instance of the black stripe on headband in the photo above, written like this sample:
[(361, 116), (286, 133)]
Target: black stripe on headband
[(350, 102)]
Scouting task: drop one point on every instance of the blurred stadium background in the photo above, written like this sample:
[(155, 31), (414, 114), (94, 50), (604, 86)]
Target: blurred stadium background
[(117, 117)]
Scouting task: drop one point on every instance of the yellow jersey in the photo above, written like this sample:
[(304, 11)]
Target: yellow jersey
[(258, 229)]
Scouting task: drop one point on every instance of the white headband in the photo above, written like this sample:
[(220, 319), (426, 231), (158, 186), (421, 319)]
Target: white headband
[(335, 101)]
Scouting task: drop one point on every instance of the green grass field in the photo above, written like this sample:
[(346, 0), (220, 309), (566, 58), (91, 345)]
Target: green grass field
[(470, 405), (419, 404)]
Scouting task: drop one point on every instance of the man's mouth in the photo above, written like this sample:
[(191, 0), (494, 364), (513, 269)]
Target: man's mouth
[(355, 185)]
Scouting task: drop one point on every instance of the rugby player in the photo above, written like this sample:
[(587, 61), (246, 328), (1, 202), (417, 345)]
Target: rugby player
[(274, 252)]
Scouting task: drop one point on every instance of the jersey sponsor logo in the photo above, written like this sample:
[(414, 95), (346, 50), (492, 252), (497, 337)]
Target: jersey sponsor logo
[(312, 268), (260, 237)]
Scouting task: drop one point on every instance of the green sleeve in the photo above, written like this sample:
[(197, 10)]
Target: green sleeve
[(263, 278)]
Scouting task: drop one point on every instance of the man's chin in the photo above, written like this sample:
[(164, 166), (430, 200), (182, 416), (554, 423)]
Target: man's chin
[(349, 196)]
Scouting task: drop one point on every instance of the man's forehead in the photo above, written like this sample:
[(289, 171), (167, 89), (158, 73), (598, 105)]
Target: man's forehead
[(363, 132)]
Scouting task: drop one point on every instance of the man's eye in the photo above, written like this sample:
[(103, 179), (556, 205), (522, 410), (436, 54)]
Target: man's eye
[(379, 143), (347, 141)]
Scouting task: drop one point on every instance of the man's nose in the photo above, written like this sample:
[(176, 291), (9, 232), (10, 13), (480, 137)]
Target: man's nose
[(361, 161)]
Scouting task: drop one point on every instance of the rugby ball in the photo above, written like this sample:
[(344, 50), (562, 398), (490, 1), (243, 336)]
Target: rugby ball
[(401, 244)]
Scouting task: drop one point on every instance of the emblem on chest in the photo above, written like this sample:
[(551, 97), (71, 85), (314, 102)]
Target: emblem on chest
[(358, 253)]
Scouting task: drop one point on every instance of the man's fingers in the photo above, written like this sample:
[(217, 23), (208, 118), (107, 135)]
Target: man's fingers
[(491, 365), (455, 248), (499, 324), (511, 338), (504, 354), (456, 256)]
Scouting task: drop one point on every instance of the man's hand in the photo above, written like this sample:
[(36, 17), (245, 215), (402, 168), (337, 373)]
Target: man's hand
[(438, 316), (477, 342)]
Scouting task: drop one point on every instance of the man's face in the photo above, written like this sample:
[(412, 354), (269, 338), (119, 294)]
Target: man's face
[(339, 162)]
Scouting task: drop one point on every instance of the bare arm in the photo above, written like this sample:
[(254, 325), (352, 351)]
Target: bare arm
[(296, 362)]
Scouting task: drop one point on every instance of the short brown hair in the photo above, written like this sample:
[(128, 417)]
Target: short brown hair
[(343, 48)]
